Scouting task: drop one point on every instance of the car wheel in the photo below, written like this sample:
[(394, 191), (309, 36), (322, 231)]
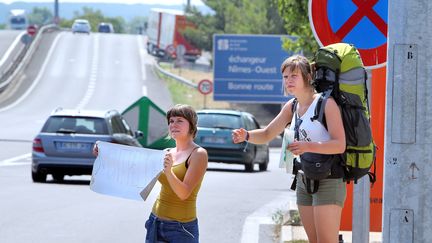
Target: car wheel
[(249, 167), (58, 177), (38, 176), (263, 166)]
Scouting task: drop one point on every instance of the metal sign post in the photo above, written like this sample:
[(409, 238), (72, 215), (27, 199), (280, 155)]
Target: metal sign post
[(205, 87), (407, 160)]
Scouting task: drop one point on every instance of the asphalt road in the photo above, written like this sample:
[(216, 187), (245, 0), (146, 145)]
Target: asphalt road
[(105, 72)]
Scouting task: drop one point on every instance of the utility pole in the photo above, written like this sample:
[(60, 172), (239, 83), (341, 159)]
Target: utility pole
[(56, 12), (188, 5), (407, 160)]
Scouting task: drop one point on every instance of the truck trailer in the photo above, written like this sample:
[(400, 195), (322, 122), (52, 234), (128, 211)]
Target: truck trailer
[(164, 34)]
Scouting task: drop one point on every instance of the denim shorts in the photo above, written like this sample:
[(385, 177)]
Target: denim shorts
[(330, 191), (159, 230)]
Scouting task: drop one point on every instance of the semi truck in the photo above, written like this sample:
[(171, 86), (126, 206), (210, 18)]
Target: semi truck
[(165, 37), (17, 19)]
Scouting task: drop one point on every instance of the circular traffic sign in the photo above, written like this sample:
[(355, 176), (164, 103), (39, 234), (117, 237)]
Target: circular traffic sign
[(26, 39), (170, 49), (31, 30), (205, 86), (362, 23)]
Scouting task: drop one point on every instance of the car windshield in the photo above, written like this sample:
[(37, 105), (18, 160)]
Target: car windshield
[(223, 121), (68, 124), (104, 28), (18, 20)]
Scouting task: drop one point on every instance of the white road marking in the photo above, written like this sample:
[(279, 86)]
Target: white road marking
[(93, 75), (142, 52), (263, 215), (18, 160), (39, 76), (11, 48), (144, 90)]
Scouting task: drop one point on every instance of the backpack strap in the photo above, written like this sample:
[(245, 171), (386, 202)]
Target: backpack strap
[(319, 113), (296, 165), (294, 105), (315, 186), (295, 172)]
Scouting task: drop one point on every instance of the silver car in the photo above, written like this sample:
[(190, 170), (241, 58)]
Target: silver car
[(64, 145), (81, 26)]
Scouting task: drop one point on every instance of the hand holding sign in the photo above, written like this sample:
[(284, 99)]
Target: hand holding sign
[(126, 171)]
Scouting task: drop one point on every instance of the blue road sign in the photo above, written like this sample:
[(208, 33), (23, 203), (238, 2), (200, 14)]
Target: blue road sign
[(247, 68)]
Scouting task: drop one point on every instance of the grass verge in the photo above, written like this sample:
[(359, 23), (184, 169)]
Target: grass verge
[(183, 94)]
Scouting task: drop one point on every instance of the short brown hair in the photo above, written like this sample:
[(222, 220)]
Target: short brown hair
[(188, 113), (300, 62)]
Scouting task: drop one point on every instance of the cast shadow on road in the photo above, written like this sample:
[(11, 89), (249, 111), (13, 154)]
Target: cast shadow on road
[(233, 170), (84, 182)]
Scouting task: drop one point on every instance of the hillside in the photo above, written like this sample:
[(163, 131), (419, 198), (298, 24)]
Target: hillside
[(66, 10)]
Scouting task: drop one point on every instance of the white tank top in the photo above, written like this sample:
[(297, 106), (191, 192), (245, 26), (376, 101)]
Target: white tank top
[(311, 131)]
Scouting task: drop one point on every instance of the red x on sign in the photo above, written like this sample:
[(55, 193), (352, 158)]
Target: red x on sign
[(322, 13)]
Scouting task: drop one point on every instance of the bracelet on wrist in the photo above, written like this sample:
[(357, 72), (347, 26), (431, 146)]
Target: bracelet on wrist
[(247, 136)]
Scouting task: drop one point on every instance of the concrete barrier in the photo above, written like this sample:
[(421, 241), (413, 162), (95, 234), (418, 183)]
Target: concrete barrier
[(24, 58)]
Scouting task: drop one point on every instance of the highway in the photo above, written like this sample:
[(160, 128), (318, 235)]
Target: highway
[(106, 71)]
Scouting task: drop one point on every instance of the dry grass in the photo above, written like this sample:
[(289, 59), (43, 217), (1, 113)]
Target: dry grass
[(186, 95)]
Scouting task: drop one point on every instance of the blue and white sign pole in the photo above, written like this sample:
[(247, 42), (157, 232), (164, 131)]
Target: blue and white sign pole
[(247, 68)]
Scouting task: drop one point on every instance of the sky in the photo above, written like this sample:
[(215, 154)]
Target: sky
[(164, 2)]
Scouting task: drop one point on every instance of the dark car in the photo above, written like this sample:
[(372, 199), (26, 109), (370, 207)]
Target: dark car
[(64, 145), (105, 28), (215, 135)]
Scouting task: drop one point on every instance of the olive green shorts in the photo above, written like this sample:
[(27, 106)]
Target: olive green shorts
[(330, 191)]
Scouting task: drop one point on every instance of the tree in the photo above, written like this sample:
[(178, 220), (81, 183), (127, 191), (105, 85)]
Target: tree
[(118, 23), (137, 25), (95, 17), (296, 19), (40, 16), (233, 17)]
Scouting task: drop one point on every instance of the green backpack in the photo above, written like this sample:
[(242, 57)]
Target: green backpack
[(339, 72)]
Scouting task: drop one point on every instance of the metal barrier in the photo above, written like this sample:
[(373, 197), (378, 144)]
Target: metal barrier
[(175, 77), (22, 59), (11, 54)]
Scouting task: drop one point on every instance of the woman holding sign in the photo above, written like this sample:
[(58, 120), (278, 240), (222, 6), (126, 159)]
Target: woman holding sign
[(320, 212), (173, 218)]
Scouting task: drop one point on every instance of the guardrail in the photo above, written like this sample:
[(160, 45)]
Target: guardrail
[(11, 54), (175, 77), (22, 59)]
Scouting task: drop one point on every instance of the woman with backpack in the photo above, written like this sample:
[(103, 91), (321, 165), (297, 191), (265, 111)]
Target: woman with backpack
[(321, 211)]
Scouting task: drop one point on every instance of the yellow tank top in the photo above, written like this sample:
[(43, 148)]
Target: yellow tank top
[(169, 206)]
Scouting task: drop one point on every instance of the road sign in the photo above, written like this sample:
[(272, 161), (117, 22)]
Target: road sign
[(26, 39), (247, 68), (205, 86), (180, 50), (360, 22), (170, 49), (31, 30)]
